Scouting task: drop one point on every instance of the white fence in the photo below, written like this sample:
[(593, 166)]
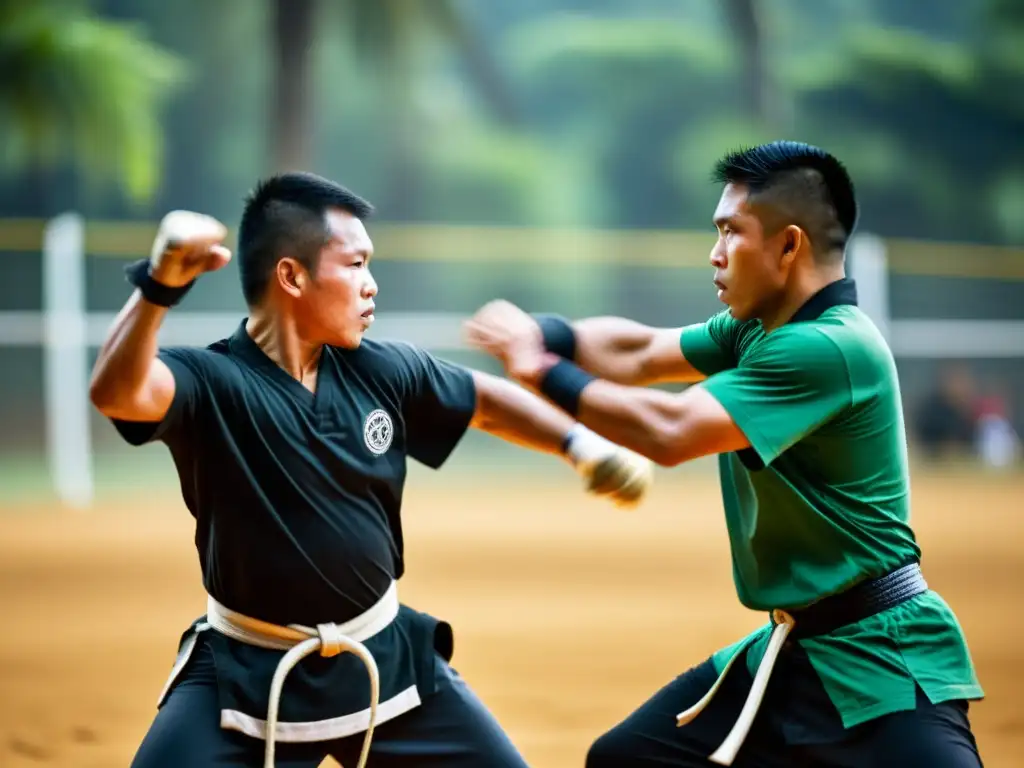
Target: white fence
[(66, 332)]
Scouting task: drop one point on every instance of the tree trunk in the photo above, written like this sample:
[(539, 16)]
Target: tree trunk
[(480, 62), (291, 108), (748, 35)]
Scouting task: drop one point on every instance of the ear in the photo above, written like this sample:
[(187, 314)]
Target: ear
[(794, 240), (291, 277)]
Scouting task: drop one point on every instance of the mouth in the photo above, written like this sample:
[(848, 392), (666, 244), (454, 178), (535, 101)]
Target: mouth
[(720, 286), (368, 316)]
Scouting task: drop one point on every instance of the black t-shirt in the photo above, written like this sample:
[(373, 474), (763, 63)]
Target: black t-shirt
[(297, 495)]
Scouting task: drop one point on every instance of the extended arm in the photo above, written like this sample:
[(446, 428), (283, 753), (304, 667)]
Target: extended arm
[(785, 389), (506, 410), (128, 381), (511, 413), (786, 386), (667, 428), (628, 352)]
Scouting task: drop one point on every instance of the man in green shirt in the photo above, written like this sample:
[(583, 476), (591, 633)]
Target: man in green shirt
[(861, 664)]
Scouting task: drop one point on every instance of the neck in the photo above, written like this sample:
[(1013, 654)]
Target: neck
[(804, 285), (277, 335)]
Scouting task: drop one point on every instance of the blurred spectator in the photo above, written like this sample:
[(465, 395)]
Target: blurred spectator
[(997, 442), (946, 418)]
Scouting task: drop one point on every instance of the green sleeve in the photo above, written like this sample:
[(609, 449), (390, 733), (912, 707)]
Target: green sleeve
[(785, 389), (712, 346)]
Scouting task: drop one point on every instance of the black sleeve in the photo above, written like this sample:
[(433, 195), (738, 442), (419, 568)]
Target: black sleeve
[(439, 403), (187, 366)]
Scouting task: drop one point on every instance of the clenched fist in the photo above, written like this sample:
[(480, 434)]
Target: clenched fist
[(504, 331), (609, 470), (187, 245)]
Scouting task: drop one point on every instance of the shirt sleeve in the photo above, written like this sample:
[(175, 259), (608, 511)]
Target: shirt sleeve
[(711, 346), (186, 365), (438, 407), (784, 390)]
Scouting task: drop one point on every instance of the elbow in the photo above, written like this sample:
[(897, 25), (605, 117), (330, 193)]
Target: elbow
[(664, 446), (101, 395), (106, 395), (667, 447)]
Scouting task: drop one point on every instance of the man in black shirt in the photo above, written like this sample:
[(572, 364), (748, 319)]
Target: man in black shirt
[(290, 439)]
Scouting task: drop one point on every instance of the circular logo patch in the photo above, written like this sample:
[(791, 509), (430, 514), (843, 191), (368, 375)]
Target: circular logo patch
[(378, 431)]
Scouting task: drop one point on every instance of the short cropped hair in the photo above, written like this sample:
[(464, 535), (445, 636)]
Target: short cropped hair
[(285, 215), (800, 184)]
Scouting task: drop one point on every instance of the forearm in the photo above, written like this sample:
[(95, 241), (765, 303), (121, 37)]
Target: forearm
[(612, 348), (667, 428), (647, 421), (619, 350), (126, 357), (515, 415)]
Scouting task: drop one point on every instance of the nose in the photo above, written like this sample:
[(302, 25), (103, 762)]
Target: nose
[(370, 286), (717, 257)]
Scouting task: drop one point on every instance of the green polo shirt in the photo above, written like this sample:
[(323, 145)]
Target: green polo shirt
[(821, 500)]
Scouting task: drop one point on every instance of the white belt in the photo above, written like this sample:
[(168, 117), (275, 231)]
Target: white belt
[(300, 641), (726, 753)]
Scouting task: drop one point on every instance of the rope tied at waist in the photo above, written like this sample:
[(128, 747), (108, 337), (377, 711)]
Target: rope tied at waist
[(827, 615), (301, 641), (332, 642)]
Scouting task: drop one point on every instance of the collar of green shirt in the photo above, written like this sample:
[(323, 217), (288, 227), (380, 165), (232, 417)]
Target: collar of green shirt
[(842, 291)]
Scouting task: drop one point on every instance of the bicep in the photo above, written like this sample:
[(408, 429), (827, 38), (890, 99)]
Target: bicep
[(151, 401), (170, 398), (705, 427), (664, 360)]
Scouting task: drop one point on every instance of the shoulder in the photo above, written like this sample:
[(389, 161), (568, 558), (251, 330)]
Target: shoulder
[(807, 351), (724, 326), (718, 343), (843, 342), (383, 357), (206, 361), (853, 332), (394, 365), (851, 335)]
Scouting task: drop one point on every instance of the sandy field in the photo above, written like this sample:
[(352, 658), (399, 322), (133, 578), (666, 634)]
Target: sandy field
[(567, 612)]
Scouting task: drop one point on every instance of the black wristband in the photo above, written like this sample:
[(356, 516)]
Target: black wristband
[(559, 336), (152, 291), (564, 383)]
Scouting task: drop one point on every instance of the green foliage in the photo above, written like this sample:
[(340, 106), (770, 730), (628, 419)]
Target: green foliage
[(647, 80), (82, 91), (928, 126), (489, 176), (560, 113)]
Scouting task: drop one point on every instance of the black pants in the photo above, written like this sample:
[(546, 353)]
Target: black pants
[(796, 727), (450, 728)]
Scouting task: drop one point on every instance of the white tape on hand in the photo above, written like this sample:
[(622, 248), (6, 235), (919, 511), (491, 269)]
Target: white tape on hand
[(608, 469)]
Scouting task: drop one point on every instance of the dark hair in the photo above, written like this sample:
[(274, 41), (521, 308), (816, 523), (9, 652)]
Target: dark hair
[(803, 184), (285, 215)]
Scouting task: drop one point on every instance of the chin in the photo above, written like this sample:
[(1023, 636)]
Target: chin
[(741, 314), (350, 340)]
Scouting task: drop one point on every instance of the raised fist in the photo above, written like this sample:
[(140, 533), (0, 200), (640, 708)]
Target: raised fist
[(187, 244)]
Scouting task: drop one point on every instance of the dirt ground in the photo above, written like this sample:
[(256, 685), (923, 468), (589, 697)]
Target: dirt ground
[(567, 612)]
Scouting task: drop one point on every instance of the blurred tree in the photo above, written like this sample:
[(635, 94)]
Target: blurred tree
[(744, 18), (82, 93), (647, 80), (926, 128), (292, 31), (388, 34)]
